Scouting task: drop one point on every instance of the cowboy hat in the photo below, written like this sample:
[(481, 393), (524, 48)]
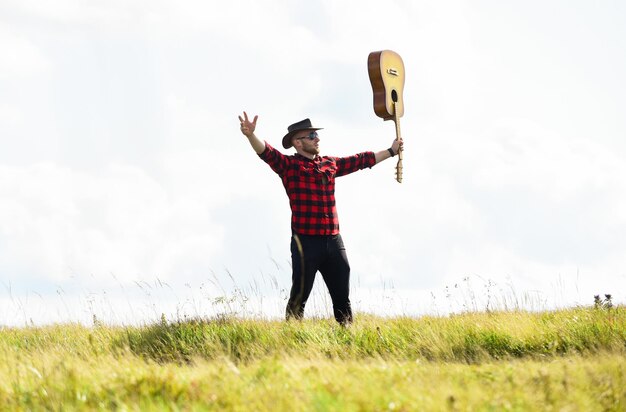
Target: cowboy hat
[(296, 127)]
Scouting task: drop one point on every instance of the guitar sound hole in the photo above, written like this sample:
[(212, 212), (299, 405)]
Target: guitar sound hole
[(394, 96)]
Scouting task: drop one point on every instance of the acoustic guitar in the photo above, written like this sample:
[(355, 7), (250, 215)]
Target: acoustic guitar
[(386, 73)]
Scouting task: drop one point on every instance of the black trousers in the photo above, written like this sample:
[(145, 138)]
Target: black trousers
[(327, 255)]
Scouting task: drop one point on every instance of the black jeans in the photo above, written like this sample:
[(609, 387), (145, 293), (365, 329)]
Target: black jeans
[(328, 255)]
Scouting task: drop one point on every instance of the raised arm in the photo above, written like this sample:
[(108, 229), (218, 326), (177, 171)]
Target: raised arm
[(386, 154), (247, 128)]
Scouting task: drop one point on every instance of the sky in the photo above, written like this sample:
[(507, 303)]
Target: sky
[(128, 192)]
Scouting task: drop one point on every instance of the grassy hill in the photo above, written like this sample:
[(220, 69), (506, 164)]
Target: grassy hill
[(562, 360)]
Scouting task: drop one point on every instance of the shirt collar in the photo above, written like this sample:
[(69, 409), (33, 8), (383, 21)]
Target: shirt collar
[(316, 159)]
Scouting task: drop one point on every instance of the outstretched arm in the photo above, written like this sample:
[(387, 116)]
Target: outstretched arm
[(247, 128), (386, 154)]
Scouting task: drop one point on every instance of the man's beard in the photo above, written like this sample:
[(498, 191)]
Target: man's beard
[(311, 149)]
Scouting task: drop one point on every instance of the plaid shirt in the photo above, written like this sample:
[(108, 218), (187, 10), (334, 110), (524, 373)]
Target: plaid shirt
[(310, 186)]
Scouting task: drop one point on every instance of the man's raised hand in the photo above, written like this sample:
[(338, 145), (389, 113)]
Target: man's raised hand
[(246, 126)]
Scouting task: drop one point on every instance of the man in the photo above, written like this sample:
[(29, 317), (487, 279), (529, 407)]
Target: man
[(309, 180)]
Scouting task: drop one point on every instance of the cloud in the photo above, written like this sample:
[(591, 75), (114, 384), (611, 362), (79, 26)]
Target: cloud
[(58, 223), (20, 57)]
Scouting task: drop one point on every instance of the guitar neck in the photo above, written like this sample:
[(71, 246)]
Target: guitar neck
[(396, 120)]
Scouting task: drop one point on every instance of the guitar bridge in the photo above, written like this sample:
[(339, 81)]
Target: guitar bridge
[(392, 71)]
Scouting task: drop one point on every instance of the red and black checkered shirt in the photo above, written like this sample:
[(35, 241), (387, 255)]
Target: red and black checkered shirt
[(310, 186)]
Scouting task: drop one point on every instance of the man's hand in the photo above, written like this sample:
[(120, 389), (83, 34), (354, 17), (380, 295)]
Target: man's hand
[(397, 145), (385, 154), (246, 126)]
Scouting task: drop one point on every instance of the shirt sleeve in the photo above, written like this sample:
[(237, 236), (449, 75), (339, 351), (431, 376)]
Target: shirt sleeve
[(350, 164), (275, 159)]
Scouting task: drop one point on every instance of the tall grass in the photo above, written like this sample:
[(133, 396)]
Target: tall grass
[(568, 359), (468, 338)]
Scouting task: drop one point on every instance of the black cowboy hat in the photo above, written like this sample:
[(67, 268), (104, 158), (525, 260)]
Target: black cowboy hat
[(296, 127)]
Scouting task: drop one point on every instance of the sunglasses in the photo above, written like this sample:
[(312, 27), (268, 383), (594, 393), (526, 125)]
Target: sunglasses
[(311, 136)]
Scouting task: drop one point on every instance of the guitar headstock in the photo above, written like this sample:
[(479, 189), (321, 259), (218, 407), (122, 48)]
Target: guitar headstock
[(399, 171)]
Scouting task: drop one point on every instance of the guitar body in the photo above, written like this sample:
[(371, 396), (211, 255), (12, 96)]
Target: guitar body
[(386, 72)]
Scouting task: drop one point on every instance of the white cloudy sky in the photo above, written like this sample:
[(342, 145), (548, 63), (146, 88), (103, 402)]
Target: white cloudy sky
[(126, 189)]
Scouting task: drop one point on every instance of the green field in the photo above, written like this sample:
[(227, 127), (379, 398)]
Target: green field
[(566, 360)]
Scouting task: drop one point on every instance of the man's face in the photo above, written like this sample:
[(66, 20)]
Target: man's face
[(309, 141)]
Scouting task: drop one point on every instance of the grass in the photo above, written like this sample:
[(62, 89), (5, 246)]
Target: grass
[(559, 360)]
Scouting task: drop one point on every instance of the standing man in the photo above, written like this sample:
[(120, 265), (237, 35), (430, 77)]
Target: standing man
[(309, 180)]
